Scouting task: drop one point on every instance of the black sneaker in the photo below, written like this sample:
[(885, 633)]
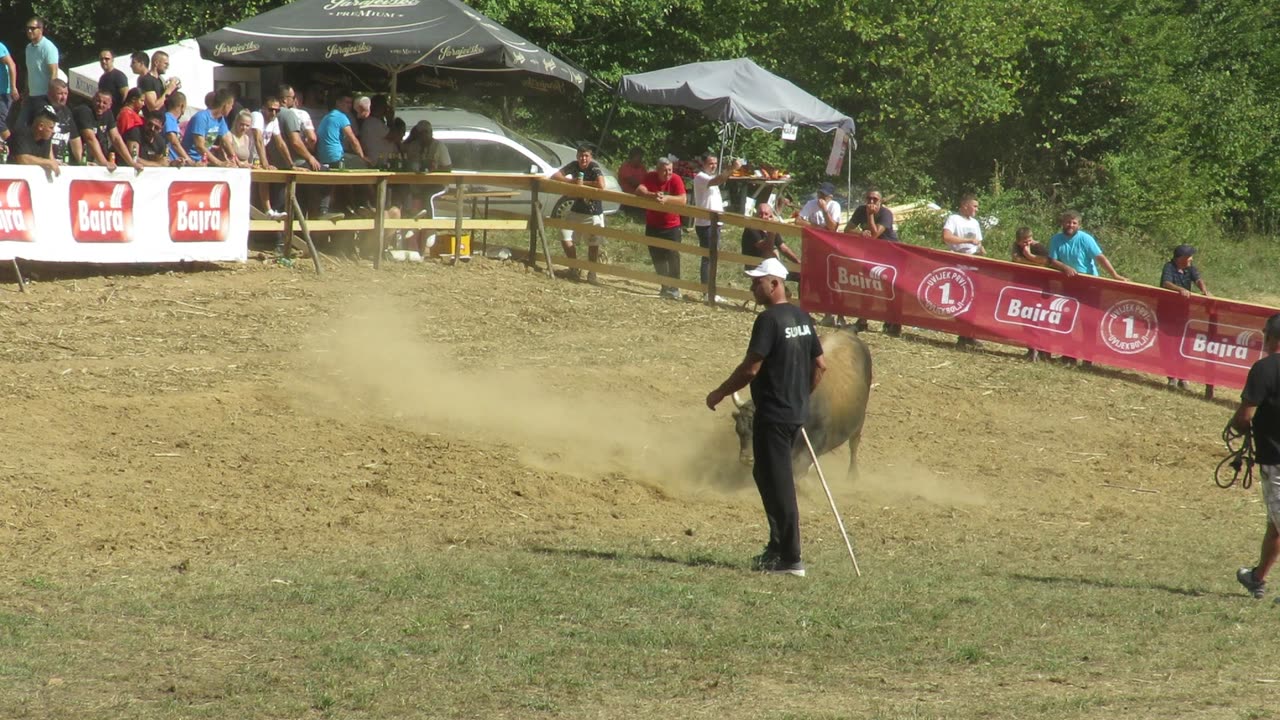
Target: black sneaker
[(781, 567), (860, 325), (892, 329), (1256, 588), (764, 560)]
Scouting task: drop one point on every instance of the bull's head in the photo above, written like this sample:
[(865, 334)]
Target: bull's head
[(743, 418)]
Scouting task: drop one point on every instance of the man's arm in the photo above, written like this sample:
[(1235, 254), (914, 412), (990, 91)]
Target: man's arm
[(261, 149), (89, 137), (1243, 419), (1200, 284), (48, 163), (282, 147), (299, 147), (789, 253), (819, 368), (13, 78), (1106, 265), (122, 150), (354, 142), (175, 142), (1169, 285), (1065, 268), (738, 379), (725, 173)]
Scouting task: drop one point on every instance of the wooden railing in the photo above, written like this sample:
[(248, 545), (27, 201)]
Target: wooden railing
[(532, 220)]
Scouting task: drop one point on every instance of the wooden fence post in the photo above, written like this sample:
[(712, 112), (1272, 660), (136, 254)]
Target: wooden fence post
[(713, 264), (378, 221)]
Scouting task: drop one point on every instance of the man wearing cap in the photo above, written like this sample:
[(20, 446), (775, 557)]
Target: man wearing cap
[(1179, 275), (666, 188), (822, 211), (783, 365), (1259, 413)]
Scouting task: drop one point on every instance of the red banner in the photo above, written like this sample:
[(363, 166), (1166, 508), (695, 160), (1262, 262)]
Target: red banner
[(1127, 325)]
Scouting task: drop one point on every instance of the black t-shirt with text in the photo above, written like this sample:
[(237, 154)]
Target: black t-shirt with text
[(100, 125), (22, 141), (784, 335), (590, 175), (1262, 389)]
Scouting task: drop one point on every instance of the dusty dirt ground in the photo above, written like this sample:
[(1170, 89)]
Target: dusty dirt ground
[(162, 417)]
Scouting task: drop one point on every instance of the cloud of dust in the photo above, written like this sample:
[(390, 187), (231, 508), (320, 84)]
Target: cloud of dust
[(385, 368), (907, 480)]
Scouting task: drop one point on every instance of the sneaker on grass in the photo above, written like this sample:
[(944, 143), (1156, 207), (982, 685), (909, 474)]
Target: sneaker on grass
[(764, 560), (780, 567), (1256, 588)]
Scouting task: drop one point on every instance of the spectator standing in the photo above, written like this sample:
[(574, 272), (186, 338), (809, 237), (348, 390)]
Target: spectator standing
[(874, 219), (766, 243), (666, 188), (783, 365), (174, 105), (8, 86), (33, 144), (1074, 251), (42, 59), (1259, 413), (150, 86), (334, 135), (631, 173), (584, 171), (206, 134), (706, 195), (962, 233), (155, 89), (822, 212), (1179, 274), (373, 131), (294, 132), (113, 82), (1028, 251), (102, 142)]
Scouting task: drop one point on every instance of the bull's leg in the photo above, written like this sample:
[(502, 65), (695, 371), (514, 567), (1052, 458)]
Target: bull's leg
[(854, 441)]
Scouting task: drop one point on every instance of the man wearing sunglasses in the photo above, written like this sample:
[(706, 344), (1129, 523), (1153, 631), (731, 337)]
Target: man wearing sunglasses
[(113, 82), (874, 219), (42, 59)]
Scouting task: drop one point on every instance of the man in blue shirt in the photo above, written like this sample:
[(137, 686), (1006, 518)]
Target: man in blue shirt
[(8, 85), (1074, 251), (206, 132), (331, 131), (42, 59)]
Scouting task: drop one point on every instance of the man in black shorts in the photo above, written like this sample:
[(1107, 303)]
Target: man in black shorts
[(783, 365), (1259, 411)]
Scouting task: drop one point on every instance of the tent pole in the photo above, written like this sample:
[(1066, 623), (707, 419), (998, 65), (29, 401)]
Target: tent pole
[(395, 75), (605, 128)]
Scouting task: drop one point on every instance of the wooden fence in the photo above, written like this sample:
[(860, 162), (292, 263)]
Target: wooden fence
[(542, 249)]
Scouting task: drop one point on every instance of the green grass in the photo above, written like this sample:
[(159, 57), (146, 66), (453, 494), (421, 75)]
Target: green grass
[(635, 632)]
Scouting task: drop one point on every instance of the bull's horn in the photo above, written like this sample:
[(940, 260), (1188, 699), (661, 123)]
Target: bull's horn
[(737, 401)]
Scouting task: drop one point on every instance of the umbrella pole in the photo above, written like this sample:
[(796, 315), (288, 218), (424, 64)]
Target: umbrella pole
[(605, 128), (395, 75)]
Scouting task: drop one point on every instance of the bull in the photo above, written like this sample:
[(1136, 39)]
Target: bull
[(837, 407)]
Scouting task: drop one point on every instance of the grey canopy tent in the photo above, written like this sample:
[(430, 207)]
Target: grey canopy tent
[(734, 91), (424, 44), (737, 93)]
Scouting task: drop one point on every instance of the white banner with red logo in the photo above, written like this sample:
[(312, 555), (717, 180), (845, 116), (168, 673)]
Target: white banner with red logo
[(1128, 325), (90, 215)]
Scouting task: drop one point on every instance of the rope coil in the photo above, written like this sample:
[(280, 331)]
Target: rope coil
[(1240, 459)]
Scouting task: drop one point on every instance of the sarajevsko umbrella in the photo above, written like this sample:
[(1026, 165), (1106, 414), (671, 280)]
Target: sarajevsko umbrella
[(427, 44)]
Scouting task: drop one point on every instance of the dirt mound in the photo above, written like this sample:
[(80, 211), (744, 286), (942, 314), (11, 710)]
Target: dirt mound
[(156, 418)]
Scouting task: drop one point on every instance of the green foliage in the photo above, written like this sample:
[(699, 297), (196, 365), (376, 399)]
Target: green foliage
[(1138, 113)]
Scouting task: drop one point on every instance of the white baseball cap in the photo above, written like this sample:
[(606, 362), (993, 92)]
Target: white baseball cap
[(771, 266)]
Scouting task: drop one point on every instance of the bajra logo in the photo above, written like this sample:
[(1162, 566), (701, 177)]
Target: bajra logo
[(15, 211), (860, 277), (448, 51), (243, 48), (199, 211), (101, 211), (370, 4), (1037, 309), (1221, 344), (347, 50)]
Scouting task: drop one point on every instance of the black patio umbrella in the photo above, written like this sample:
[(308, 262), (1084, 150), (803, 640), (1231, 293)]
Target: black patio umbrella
[(423, 44)]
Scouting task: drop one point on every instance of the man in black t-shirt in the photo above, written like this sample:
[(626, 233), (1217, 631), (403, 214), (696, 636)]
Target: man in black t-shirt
[(153, 149), (783, 365), (583, 171), (874, 219), (33, 144), (1259, 412), (113, 82), (66, 136), (99, 135)]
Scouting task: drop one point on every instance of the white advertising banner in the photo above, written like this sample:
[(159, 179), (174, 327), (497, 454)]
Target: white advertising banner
[(90, 215)]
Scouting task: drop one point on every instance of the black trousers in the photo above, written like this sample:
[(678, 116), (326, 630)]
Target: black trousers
[(775, 480), (665, 262), (707, 234)]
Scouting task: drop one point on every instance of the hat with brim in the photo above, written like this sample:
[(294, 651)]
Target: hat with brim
[(771, 267), (1183, 251)]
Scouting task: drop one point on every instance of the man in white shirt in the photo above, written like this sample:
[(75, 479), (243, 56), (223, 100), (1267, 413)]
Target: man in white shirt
[(822, 212), (706, 195), (961, 232)]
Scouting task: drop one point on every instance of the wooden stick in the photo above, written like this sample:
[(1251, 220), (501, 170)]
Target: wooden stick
[(831, 500), (713, 263), (22, 284)]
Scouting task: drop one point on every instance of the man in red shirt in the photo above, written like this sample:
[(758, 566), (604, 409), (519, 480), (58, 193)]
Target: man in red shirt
[(665, 187)]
